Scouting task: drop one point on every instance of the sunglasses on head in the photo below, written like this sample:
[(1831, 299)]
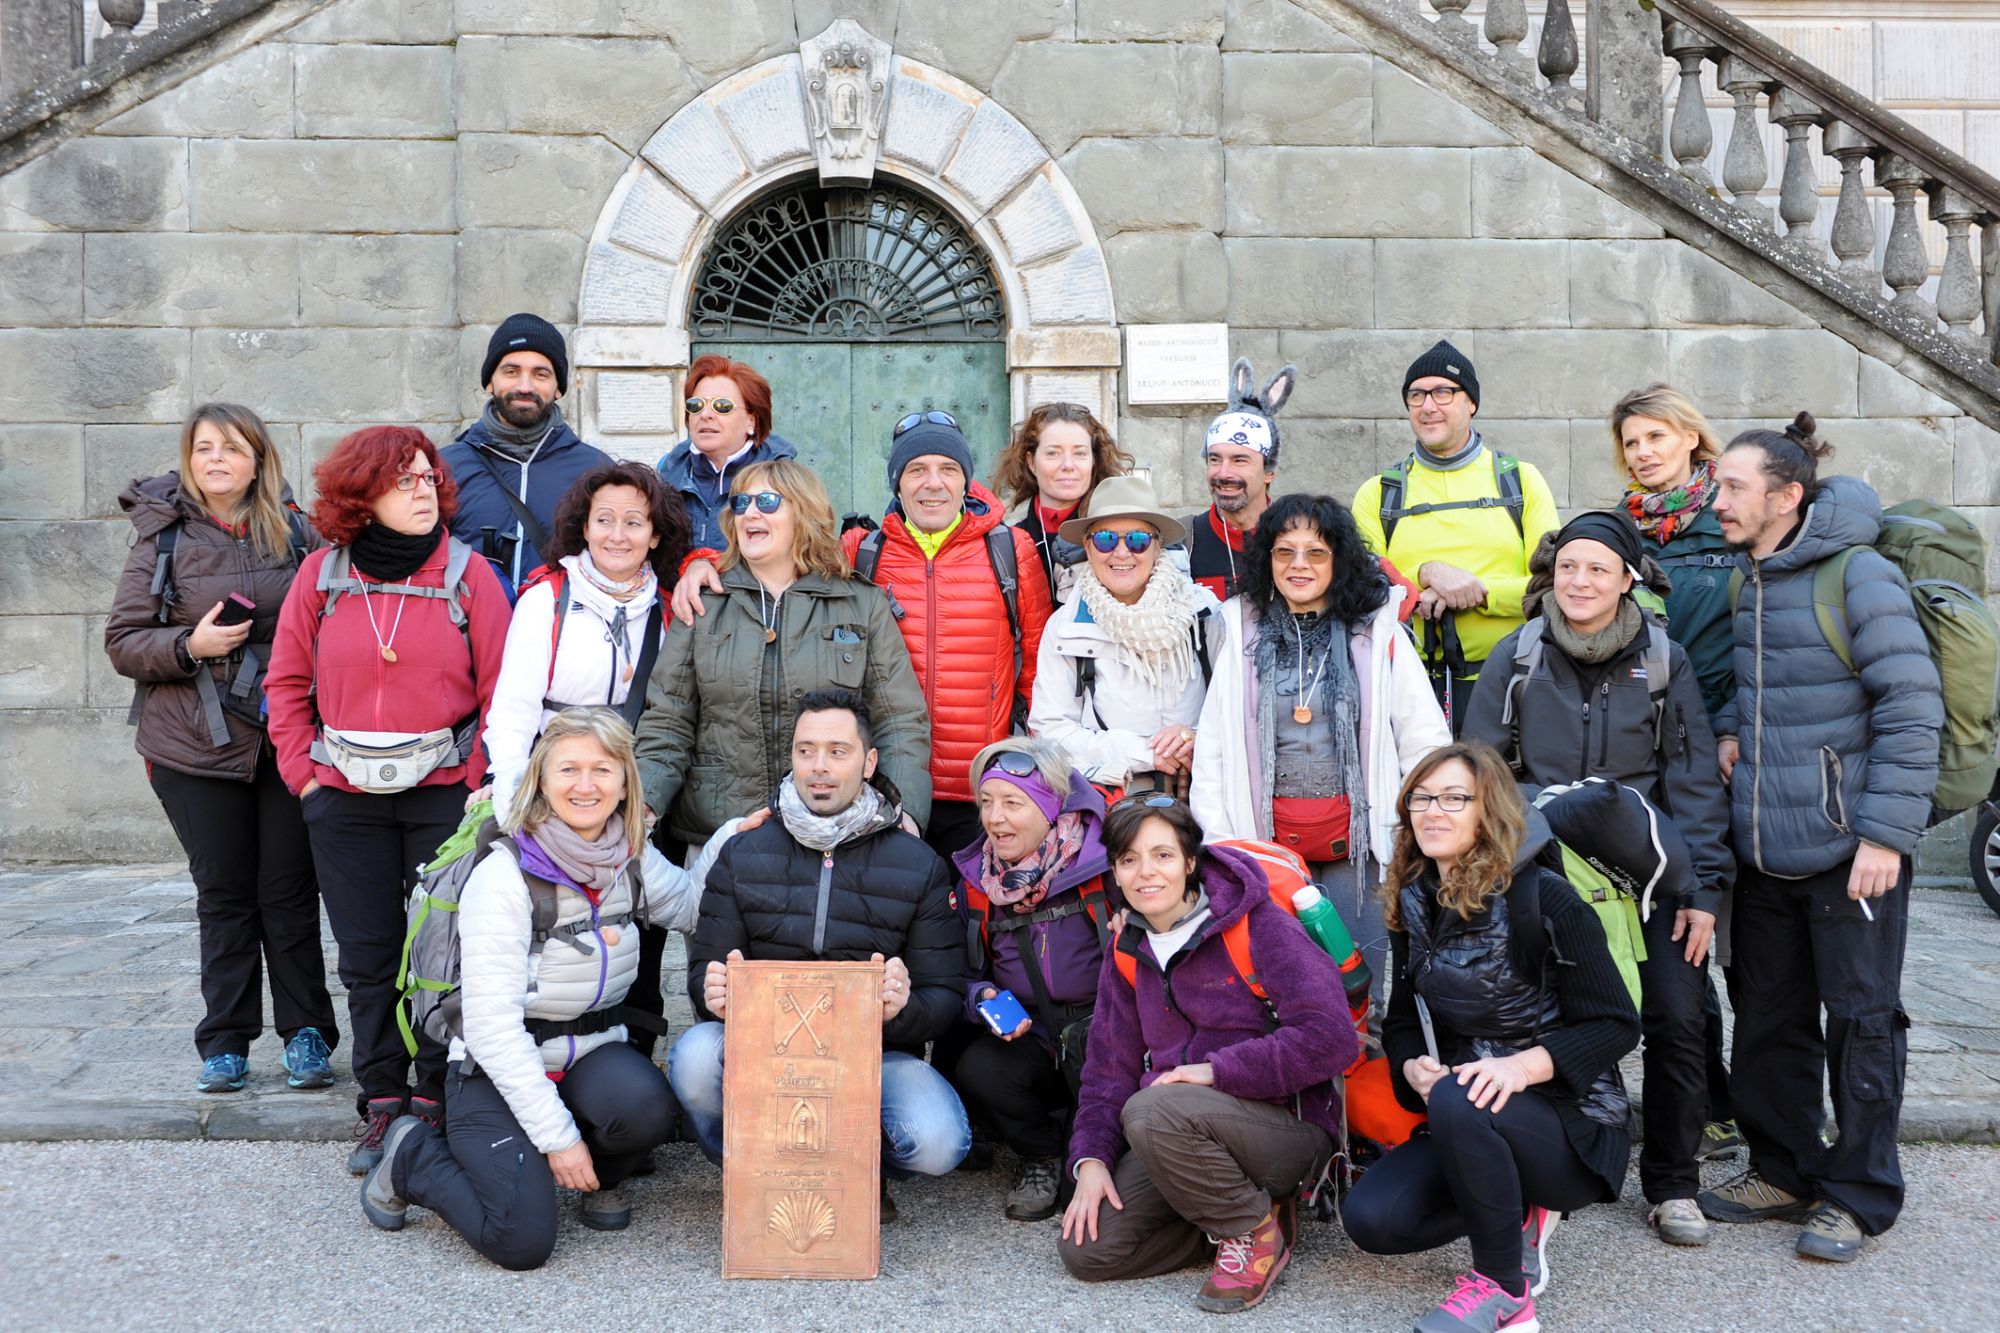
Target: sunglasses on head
[(767, 502), (722, 406), (916, 419), (1157, 801), (1019, 763), (1105, 541)]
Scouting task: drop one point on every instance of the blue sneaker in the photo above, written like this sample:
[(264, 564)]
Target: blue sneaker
[(307, 1060), (222, 1073)]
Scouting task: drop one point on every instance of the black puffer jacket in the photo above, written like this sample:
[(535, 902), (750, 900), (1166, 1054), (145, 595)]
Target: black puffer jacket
[(888, 893)]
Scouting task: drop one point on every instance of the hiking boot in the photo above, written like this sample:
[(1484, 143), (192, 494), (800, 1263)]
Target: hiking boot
[(428, 1108), (1246, 1268), (606, 1209), (1478, 1305), (646, 1166), (887, 1212), (1679, 1222), (1719, 1139), (1535, 1232), (1037, 1180), (308, 1061), (1831, 1234), (379, 1200), (222, 1073), (370, 1129), (1751, 1198)]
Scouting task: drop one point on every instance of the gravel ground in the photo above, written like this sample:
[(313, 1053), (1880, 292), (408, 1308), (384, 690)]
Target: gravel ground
[(270, 1235)]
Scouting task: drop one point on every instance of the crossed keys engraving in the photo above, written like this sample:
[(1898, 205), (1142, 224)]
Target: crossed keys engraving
[(788, 1003)]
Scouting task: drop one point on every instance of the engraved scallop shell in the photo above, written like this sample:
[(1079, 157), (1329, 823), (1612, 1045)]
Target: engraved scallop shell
[(801, 1219)]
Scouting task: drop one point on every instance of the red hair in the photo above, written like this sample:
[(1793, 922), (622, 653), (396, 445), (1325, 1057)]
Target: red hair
[(752, 388), (362, 468)]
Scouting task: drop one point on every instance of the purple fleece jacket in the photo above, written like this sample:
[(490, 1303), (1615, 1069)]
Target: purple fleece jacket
[(1199, 1011), (1067, 950)]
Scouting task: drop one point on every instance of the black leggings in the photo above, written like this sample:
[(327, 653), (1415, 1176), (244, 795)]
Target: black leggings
[(1020, 1090), (494, 1187), (1473, 1175)]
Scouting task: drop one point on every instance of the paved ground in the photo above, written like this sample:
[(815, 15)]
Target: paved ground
[(99, 994), (269, 1235)]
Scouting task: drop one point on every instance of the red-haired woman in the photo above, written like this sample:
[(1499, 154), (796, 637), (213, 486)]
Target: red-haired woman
[(1058, 454), (386, 654)]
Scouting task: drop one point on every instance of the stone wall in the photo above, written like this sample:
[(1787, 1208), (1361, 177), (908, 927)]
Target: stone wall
[(325, 227)]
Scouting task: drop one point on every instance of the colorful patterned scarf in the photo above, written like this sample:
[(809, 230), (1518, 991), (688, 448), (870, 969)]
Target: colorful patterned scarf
[(1023, 885), (1660, 514)]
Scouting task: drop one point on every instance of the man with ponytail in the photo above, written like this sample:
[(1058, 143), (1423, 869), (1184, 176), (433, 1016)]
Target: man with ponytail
[(1831, 772)]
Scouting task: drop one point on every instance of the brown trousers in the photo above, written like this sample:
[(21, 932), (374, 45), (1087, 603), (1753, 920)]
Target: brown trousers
[(1201, 1164)]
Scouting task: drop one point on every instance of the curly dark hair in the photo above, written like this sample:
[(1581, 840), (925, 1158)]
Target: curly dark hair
[(1014, 474), (1359, 586), (362, 468), (669, 515)]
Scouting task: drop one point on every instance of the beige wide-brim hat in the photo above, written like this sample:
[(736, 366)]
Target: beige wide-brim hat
[(1123, 497)]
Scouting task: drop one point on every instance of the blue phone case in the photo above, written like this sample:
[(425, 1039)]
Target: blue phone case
[(1003, 1013)]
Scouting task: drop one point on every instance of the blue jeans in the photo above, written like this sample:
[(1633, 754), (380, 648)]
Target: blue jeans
[(924, 1130)]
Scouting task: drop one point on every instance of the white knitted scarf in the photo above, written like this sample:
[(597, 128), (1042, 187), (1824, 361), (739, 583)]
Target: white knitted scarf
[(1154, 629)]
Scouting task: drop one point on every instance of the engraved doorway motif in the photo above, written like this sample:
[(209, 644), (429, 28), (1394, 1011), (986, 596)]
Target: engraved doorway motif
[(803, 1011), (805, 1122)]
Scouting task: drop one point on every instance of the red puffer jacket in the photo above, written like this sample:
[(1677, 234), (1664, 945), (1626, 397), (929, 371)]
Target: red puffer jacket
[(955, 623)]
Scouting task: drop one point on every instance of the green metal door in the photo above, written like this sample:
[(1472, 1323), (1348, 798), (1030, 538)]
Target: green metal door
[(860, 306)]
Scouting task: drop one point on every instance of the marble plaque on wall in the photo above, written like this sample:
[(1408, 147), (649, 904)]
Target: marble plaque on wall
[(802, 1120)]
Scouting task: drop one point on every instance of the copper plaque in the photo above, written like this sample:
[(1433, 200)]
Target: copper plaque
[(802, 1120)]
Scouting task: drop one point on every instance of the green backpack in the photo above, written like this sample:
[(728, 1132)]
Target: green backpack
[(1943, 557)]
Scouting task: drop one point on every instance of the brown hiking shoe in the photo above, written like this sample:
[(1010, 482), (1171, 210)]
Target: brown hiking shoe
[(1751, 1198), (1246, 1268)]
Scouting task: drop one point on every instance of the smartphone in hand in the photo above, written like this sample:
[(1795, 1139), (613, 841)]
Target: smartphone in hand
[(1003, 1013), (236, 608)]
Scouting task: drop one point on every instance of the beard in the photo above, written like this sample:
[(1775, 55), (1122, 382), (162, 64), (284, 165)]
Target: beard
[(523, 413), (1230, 501)]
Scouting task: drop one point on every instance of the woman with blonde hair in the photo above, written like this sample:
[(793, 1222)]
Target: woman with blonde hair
[(540, 1060), (716, 737), (1507, 1019), (215, 547), (1058, 454)]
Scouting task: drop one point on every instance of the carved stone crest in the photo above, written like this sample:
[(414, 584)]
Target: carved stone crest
[(846, 73)]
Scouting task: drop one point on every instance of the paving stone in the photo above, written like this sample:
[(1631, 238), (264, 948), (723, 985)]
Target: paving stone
[(1550, 373), (41, 661), (1474, 284), (41, 471), (1065, 91), (1309, 284), (181, 279), (1902, 460), (1103, 173), (973, 41), (1168, 277), (500, 272), (621, 88), (1641, 284), (1149, 20), (1516, 192), (41, 279), (417, 21), (1296, 98), (1407, 112), (1887, 392), (248, 96), (1795, 368), (373, 92), (100, 184), (1358, 372), (1326, 457), (522, 180), (377, 280), (717, 40), (1279, 25), (95, 374), (308, 374), (322, 185), (1360, 192), (1975, 461)]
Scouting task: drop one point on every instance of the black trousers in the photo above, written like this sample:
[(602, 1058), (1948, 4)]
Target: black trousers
[(1720, 1107), (367, 848), (257, 904), (954, 827), (1018, 1090), (1473, 1175), (484, 1177), (1800, 945), (1672, 1025)]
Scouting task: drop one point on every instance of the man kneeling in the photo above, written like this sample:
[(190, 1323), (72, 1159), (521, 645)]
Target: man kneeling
[(834, 879)]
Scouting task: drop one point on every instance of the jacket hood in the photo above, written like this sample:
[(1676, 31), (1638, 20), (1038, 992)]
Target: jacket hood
[(1232, 880), (1534, 840), (157, 503), (982, 515), (676, 466), (1091, 860), (1845, 513)]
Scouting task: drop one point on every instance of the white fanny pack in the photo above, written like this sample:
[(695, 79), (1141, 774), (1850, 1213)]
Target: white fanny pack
[(386, 761)]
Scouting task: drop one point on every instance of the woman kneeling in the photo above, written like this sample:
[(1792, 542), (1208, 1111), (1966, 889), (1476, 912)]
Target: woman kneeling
[(544, 1089), (1222, 1096), (1511, 1042)]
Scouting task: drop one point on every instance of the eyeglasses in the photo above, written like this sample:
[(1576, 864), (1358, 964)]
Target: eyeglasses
[(916, 419), (767, 502), (1437, 393), (407, 481), (1451, 802), (1019, 763), (1312, 555), (721, 406), (1138, 541)]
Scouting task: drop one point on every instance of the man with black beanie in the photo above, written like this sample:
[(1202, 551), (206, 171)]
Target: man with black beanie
[(1461, 519), (514, 463)]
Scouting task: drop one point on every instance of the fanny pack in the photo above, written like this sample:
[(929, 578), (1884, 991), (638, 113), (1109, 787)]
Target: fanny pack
[(1313, 826), (392, 761)]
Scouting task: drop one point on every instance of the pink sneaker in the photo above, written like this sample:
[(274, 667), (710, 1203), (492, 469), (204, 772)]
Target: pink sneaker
[(1478, 1305), (1246, 1268), (1535, 1233)]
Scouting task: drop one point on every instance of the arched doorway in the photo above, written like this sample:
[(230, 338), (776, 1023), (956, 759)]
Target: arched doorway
[(860, 305)]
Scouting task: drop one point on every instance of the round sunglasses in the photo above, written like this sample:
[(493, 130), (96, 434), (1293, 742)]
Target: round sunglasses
[(1105, 541), (767, 502), (722, 406)]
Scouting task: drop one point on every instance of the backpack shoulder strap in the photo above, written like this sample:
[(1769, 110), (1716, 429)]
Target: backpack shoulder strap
[(1528, 648), (558, 581), (295, 535), (457, 557), (1524, 916), (1236, 939), (1735, 586), (1507, 474), (164, 542), (1659, 667), (336, 576), (1394, 481), (542, 896), (642, 669), (1007, 570), (1200, 632), (1829, 590), (1127, 965), (868, 556)]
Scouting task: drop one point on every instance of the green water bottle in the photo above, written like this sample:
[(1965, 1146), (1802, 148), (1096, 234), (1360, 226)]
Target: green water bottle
[(1322, 922)]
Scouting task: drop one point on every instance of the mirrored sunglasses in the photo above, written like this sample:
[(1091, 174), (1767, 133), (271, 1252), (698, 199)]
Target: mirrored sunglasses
[(721, 406), (767, 502), (1105, 541), (916, 419)]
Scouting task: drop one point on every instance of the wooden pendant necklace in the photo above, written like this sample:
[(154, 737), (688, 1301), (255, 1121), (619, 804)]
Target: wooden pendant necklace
[(387, 649), (1302, 712), (767, 612)]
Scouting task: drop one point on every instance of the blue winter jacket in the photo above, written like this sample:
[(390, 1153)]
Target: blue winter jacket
[(1829, 757), (482, 504), (686, 471)]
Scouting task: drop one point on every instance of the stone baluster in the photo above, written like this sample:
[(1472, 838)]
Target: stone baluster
[(1958, 297), (1506, 26), (1557, 58), (1744, 169), (1690, 136), (123, 16), (1853, 219), (1452, 23), (1905, 265), (1798, 190), (1989, 267)]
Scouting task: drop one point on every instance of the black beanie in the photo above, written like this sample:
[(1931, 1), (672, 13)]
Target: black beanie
[(928, 437), (1612, 527), (1446, 360), (527, 333)]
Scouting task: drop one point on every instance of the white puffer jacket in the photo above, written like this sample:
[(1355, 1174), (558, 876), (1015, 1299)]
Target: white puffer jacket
[(589, 669), (502, 982)]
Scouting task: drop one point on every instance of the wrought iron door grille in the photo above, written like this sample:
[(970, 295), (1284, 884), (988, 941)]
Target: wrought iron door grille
[(851, 265)]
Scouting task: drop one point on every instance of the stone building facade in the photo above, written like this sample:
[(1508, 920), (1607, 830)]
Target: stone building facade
[(324, 221)]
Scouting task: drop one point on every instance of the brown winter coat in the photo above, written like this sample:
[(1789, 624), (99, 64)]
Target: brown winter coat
[(209, 564)]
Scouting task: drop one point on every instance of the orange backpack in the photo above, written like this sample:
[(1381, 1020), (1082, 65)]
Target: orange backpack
[(1285, 873)]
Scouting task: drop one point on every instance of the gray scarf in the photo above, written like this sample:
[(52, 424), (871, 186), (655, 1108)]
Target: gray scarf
[(823, 833), (518, 444), (594, 864), (1336, 708), (1452, 462), (1593, 649)]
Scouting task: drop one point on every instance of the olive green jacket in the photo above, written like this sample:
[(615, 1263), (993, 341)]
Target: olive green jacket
[(716, 736)]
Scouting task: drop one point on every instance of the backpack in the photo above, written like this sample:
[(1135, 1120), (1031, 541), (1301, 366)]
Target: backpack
[(1086, 667), (1506, 473), (1006, 569), (642, 666), (1943, 558), (427, 975), (1529, 646), (246, 689), (1285, 873)]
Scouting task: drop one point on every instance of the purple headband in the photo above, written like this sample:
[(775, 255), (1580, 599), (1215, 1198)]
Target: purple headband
[(1031, 785)]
